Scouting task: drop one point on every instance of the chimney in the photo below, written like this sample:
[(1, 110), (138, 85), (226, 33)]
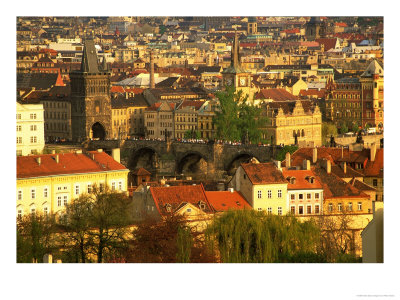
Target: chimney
[(99, 150), (344, 167), (342, 151), (116, 154), (287, 159), (306, 164), (315, 155), (231, 190), (39, 160), (152, 84), (163, 181), (372, 152), (278, 164), (57, 158), (326, 164)]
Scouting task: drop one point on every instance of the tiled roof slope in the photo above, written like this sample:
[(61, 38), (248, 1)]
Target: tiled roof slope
[(69, 163), (334, 187), (301, 182), (332, 154), (226, 200), (263, 173), (276, 95), (176, 196)]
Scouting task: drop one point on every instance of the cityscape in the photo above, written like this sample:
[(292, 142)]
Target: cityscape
[(249, 139)]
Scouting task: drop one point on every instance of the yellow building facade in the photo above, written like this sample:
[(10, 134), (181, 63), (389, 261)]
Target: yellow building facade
[(47, 183)]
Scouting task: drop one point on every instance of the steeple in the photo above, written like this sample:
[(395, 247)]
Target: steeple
[(104, 65), (89, 58), (235, 52)]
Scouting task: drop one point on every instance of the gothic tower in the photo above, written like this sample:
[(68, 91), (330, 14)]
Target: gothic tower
[(90, 97)]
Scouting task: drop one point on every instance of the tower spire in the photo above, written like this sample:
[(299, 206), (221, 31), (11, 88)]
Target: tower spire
[(235, 52)]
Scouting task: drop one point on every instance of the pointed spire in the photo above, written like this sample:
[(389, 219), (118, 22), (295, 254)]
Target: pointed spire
[(89, 58), (235, 52)]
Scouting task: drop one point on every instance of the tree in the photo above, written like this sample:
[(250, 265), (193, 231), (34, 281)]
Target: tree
[(235, 118), (35, 237), (282, 153), (328, 130), (97, 223), (343, 127), (248, 236), (192, 134)]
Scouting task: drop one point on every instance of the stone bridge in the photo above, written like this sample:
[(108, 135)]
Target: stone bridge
[(174, 158)]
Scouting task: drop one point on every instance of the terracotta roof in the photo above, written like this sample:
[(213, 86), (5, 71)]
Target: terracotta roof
[(312, 92), (332, 154), (117, 89), (69, 163), (375, 168), (350, 172), (176, 196), (302, 181), (361, 185), (327, 42), (226, 200), (141, 171), (191, 103), (276, 95), (263, 173), (335, 187), (288, 106)]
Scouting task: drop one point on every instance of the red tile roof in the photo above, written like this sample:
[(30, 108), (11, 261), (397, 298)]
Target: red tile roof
[(375, 168), (226, 200), (141, 171), (327, 42), (332, 154), (117, 89), (334, 187), (361, 185), (263, 173), (196, 104), (312, 92), (69, 163), (176, 196), (276, 95), (302, 182)]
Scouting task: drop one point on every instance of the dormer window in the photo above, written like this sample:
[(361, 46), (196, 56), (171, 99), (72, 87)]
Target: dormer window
[(202, 205), (168, 207)]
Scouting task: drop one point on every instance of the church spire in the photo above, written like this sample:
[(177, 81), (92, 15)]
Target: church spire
[(89, 58), (235, 52)]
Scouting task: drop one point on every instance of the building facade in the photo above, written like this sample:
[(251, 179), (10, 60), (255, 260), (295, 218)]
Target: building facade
[(30, 128)]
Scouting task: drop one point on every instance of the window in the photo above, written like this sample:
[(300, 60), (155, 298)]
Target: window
[(19, 128), (77, 189), (259, 209), (269, 194), (279, 211), (259, 194), (19, 140), (33, 211), (339, 206), (293, 209), (19, 116), (33, 139), (308, 196), (375, 182), (101, 186), (316, 195), (330, 207), (19, 195), (292, 196), (359, 206), (65, 200), (120, 185), (19, 214), (33, 127), (33, 193), (45, 192), (89, 188), (189, 210), (300, 196), (33, 116), (350, 206), (45, 210), (113, 186), (279, 193), (269, 210), (316, 209), (308, 209), (59, 201), (301, 210)]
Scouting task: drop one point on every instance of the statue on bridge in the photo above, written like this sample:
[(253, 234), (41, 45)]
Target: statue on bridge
[(359, 139), (332, 141)]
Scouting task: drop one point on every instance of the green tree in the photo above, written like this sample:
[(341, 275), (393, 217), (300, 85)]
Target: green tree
[(328, 129), (235, 118), (184, 244), (343, 127), (282, 153), (248, 236), (35, 237), (192, 134)]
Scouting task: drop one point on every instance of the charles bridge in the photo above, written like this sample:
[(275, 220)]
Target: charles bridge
[(171, 158)]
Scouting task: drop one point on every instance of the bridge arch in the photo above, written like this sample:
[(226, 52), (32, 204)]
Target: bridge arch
[(191, 162), (144, 157), (234, 162)]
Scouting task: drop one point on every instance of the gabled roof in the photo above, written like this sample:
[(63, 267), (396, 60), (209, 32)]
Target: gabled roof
[(176, 196), (141, 172), (226, 200), (40, 81), (69, 163), (302, 179), (334, 187), (375, 168), (373, 69), (350, 172), (362, 186), (263, 173), (275, 94)]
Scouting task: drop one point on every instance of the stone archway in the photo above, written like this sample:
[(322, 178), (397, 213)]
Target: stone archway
[(98, 131), (236, 161), (193, 164)]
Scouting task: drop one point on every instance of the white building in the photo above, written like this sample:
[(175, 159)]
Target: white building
[(30, 128)]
